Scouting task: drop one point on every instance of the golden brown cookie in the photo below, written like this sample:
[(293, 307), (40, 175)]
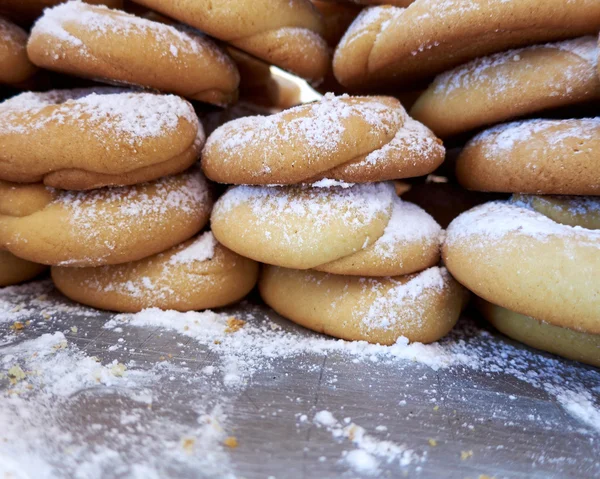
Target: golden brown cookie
[(197, 274), (281, 32), (351, 139), (509, 85), (337, 17), (104, 226), (100, 43), (15, 66), (422, 307), (360, 230), (565, 342), (15, 270), (550, 157), (518, 258), (25, 12), (88, 138), (395, 47)]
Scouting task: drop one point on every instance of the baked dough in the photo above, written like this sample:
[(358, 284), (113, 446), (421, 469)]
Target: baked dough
[(422, 307), (361, 230), (509, 85), (97, 42), (281, 32), (396, 47), (104, 226), (337, 17), (351, 139), (88, 138), (550, 157), (562, 341), (15, 270), (15, 67), (583, 211), (518, 258), (26, 11), (197, 274)]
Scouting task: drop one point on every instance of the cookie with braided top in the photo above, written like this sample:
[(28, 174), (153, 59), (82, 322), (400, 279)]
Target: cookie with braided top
[(281, 32), (100, 43), (360, 230), (388, 46), (351, 139), (89, 138)]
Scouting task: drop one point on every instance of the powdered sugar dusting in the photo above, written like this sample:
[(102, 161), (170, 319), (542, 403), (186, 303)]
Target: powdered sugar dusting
[(369, 19), (493, 221), (201, 249), (109, 112)]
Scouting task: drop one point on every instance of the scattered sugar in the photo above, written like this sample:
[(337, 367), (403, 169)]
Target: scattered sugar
[(112, 113)]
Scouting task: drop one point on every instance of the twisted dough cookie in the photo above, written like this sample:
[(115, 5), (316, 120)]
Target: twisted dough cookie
[(422, 307), (88, 138), (15, 270), (510, 84), (515, 256), (15, 67), (97, 42), (26, 11), (285, 33), (104, 226), (390, 46), (352, 139), (565, 342), (550, 157), (198, 274), (362, 230)]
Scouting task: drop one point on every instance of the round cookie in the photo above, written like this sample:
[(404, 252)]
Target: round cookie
[(550, 157), (362, 230), (15, 270), (518, 258), (422, 307), (564, 342), (26, 11), (281, 32), (388, 46), (104, 226), (89, 138), (197, 274), (15, 66), (97, 42), (351, 139), (510, 84)]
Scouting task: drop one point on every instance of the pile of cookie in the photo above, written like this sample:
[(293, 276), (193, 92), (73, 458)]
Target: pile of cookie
[(114, 187)]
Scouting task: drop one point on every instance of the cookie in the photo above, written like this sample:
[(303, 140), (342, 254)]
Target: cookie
[(513, 255), (337, 17), (89, 138), (15, 270), (419, 308), (548, 157), (15, 66), (103, 226), (281, 32), (509, 85), (564, 342), (26, 11), (351, 139), (388, 46), (97, 42), (361, 230), (197, 274)]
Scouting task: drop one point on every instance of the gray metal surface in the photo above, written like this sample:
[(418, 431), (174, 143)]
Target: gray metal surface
[(512, 429)]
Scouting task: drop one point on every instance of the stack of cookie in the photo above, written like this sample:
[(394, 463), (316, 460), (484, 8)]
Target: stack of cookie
[(343, 254)]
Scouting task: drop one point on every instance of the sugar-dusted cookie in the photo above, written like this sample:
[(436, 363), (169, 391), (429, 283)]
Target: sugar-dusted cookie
[(26, 11), (351, 139), (197, 274), (15, 66), (511, 84), (103, 226), (388, 46), (421, 307), (550, 157), (88, 138), (97, 42), (15, 270), (281, 32)]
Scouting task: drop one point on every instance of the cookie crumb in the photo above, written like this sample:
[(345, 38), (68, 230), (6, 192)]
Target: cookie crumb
[(16, 374), (17, 326), (464, 455), (74, 329), (187, 443), (234, 324), (432, 442), (231, 441)]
